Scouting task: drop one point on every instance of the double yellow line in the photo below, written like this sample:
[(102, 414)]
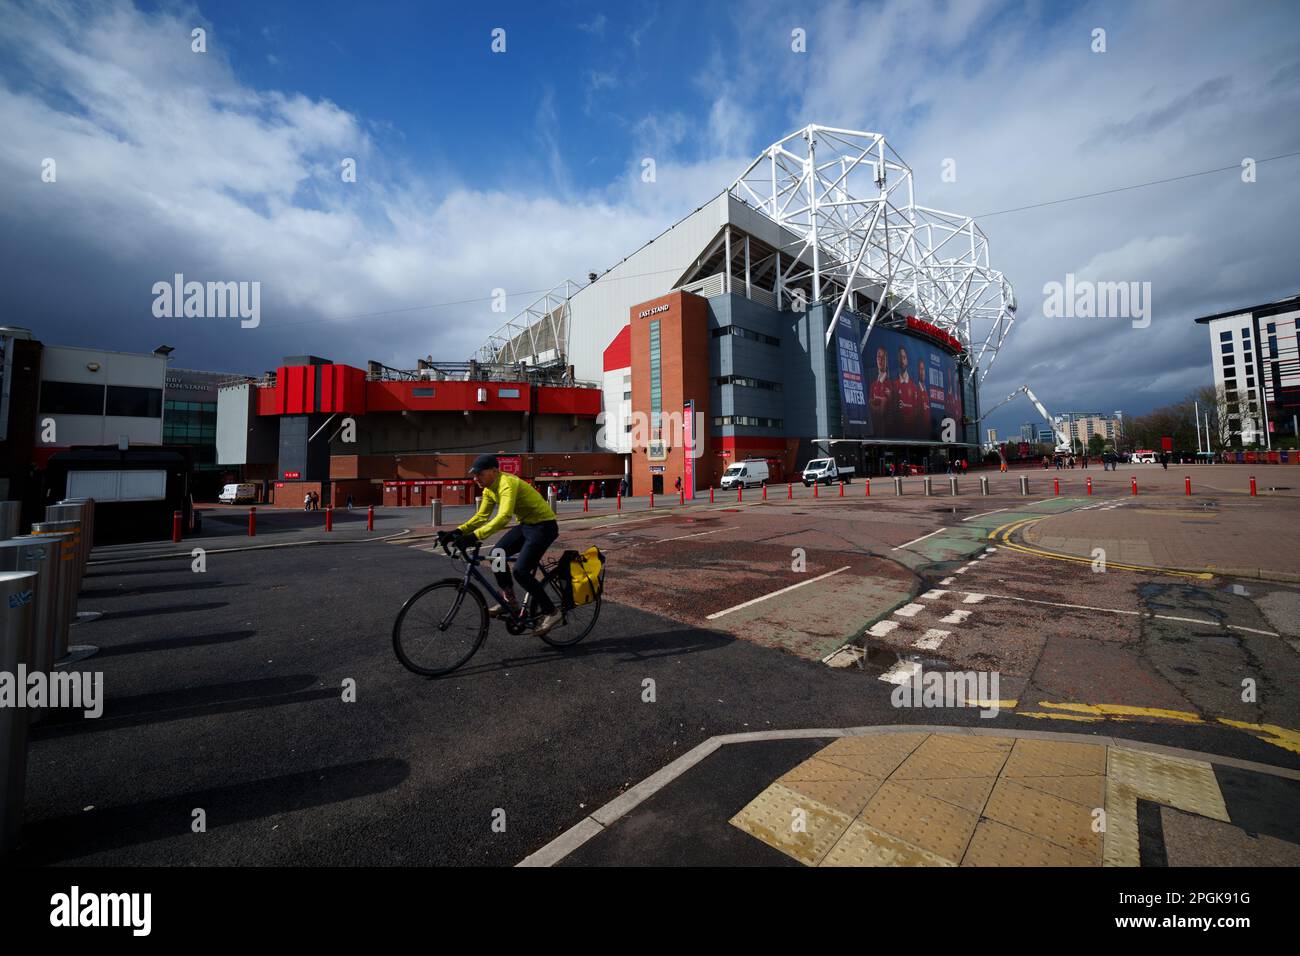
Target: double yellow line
[(1002, 535)]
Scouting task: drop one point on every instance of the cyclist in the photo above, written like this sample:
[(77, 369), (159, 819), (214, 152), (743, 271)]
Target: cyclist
[(536, 531)]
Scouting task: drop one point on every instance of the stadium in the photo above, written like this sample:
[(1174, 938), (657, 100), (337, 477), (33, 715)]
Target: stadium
[(812, 308)]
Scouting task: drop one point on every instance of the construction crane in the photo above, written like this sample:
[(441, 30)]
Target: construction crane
[(1063, 443)]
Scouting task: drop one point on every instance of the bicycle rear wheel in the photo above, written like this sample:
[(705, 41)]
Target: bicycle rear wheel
[(578, 621), (440, 627)]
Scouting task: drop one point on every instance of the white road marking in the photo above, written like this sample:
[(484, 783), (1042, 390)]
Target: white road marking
[(947, 580), (910, 610), (956, 617), (1116, 610), (989, 550), (881, 628), (900, 673), (973, 598), (933, 594), (931, 639), (697, 534), (717, 614), (961, 570), (914, 540), (984, 515)]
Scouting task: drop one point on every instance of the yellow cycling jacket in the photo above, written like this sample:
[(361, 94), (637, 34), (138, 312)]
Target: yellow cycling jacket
[(511, 495)]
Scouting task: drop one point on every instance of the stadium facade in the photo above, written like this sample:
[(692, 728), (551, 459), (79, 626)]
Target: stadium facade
[(812, 308)]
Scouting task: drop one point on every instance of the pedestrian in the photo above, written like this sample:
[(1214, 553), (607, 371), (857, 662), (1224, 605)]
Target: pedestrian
[(677, 486), (349, 501), (964, 466), (306, 502)]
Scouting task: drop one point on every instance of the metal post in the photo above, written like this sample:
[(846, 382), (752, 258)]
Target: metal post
[(898, 486), (984, 485), (928, 486), (17, 600), (1024, 485), (952, 485), (10, 515), (435, 510)]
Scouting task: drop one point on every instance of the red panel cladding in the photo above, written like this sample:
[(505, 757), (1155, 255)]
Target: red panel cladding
[(618, 354), (328, 388), (270, 401), (447, 396), (569, 401)]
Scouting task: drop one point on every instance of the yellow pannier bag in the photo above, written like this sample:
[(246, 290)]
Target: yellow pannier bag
[(586, 575)]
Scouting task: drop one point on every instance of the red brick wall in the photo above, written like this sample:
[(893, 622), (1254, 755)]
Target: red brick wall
[(683, 374)]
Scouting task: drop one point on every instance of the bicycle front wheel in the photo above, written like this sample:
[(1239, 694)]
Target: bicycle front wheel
[(440, 628)]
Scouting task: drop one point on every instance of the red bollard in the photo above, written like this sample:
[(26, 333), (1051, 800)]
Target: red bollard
[(176, 526), (252, 522), (652, 499), (586, 502), (1089, 484), (815, 486), (841, 489), (1135, 484), (370, 518), (1187, 484), (710, 494), (681, 497), (868, 494), (789, 490), (1252, 486), (329, 518), (619, 505), (1056, 486), (740, 493), (765, 492)]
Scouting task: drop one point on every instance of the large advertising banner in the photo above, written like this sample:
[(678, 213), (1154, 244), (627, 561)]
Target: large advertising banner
[(855, 420), (912, 388)]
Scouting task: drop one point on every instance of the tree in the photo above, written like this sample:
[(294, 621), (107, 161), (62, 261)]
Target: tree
[(1096, 445)]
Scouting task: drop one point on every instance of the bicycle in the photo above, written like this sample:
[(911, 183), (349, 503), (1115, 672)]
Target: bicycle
[(442, 625)]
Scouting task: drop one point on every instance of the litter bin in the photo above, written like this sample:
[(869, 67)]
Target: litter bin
[(17, 597)]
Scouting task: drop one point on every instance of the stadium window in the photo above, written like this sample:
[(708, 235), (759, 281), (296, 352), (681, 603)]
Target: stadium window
[(132, 402), (422, 393), (507, 393), (1226, 348), (1225, 336), (72, 398)]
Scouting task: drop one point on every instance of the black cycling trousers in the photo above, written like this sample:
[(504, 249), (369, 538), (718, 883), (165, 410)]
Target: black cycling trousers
[(530, 542)]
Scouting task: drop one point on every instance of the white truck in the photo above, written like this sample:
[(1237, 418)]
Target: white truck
[(745, 474), (827, 472)]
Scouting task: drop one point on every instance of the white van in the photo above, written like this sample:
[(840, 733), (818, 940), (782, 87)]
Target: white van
[(235, 494), (745, 474)]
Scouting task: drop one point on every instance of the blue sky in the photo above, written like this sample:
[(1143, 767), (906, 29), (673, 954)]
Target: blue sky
[(479, 171)]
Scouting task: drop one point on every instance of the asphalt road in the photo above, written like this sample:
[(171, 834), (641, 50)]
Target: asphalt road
[(225, 689)]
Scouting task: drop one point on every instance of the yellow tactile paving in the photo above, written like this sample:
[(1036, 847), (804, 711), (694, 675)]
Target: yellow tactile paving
[(1022, 764), (918, 767), (970, 793), (806, 835), (1087, 791), (1044, 815), (942, 799), (872, 765), (863, 845), (995, 844), (846, 796), (1084, 758), (1186, 784), (942, 828)]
